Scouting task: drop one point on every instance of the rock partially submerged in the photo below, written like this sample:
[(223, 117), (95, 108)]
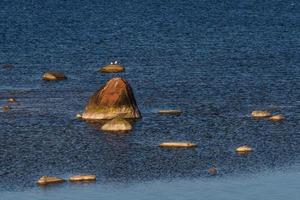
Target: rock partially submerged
[(178, 145), (11, 100), (78, 116), (54, 76), (170, 112), (5, 108), (212, 171), (243, 149), (260, 114), (113, 99), (117, 124), (83, 178), (112, 68), (276, 118), (45, 180)]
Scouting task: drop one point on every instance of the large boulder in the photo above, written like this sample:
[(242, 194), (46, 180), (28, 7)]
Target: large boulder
[(114, 99)]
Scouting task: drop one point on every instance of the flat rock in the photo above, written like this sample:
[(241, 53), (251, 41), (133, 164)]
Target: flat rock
[(244, 149), (45, 180), (117, 124), (53, 76), (112, 68), (170, 112), (276, 118), (114, 99), (178, 145), (260, 114), (79, 178)]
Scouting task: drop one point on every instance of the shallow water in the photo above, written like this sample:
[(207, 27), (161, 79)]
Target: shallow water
[(217, 61)]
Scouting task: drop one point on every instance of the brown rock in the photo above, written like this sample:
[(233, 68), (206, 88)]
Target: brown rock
[(45, 180), (54, 76), (5, 108), (260, 114), (82, 178), (11, 100), (112, 68), (178, 145), (212, 171), (117, 124), (243, 149), (277, 118), (113, 99)]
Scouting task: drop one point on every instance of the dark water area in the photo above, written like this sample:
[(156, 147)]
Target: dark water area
[(216, 60)]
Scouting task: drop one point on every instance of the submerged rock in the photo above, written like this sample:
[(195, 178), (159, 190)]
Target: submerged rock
[(244, 149), (112, 68), (260, 114), (170, 112), (117, 124), (178, 145), (82, 178), (54, 76), (8, 65), (45, 180), (113, 99), (276, 118), (212, 171)]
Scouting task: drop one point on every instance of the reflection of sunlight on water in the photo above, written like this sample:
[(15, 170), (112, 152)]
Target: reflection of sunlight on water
[(275, 185)]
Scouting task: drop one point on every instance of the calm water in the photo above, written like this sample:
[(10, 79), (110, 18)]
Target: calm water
[(215, 60)]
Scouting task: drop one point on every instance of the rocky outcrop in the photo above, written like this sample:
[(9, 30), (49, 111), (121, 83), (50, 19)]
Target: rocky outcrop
[(117, 124), (54, 76), (112, 68), (260, 114), (114, 99)]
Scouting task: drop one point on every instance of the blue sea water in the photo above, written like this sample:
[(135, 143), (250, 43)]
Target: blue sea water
[(216, 60)]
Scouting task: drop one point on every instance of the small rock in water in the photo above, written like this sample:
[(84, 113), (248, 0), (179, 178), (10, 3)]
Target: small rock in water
[(112, 68), (117, 124), (54, 76), (45, 180), (178, 145), (212, 171), (277, 118), (8, 65), (5, 108), (11, 100), (78, 116), (82, 178), (260, 114), (170, 112), (244, 149)]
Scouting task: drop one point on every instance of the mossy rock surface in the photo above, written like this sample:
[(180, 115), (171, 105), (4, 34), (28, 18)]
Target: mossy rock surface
[(114, 99)]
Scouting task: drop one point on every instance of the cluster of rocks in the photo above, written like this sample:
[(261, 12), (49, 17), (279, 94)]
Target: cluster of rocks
[(263, 114)]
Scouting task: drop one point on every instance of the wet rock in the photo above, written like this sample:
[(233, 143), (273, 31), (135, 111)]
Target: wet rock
[(8, 65), (277, 118), (84, 178), (112, 68), (178, 145), (45, 180), (54, 76), (212, 171), (113, 99), (170, 112), (117, 124), (5, 108), (11, 100), (260, 114), (244, 149), (78, 116)]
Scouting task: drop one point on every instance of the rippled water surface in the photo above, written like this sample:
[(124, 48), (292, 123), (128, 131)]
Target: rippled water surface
[(216, 60)]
